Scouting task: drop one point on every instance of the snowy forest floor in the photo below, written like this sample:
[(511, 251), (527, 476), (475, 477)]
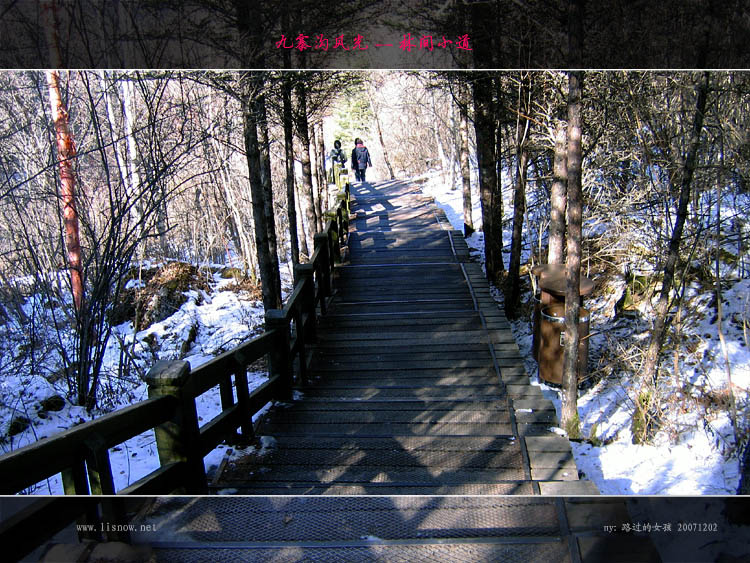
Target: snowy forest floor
[(693, 453)]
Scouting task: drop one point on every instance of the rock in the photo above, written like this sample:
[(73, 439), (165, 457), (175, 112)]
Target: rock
[(18, 424), (229, 273), (53, 403)]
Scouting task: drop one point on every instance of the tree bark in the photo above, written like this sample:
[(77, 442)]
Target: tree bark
[(519, 195), (291, 207), (556, 253), (569, 414), (67, 153), (321, 152), (316, 187), (464, 156), (651, 363), (569, 409), (250, 89), (387, 160), (304, 139), (268, 207), (484, 127), (304, 249)]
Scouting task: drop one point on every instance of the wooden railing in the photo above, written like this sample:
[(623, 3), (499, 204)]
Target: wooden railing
[(81, 453)]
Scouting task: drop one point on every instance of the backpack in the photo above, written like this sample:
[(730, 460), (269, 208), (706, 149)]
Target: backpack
[(362, 156)]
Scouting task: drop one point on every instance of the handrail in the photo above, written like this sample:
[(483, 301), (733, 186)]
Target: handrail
[(81, 453)]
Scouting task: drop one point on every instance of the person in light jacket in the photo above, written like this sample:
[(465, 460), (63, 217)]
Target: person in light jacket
[(338, 164), (360, 160)]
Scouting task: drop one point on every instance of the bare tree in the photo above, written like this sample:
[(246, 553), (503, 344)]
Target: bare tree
[(252, 85), (651, 361), (569, 412), (489, 191), (303, 133), (464, 156), (289, 163), (558, 201), (67, 154), (569, 415), (519, 194)]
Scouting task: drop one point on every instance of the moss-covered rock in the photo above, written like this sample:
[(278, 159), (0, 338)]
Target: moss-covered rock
[(53, 403), (162, 295), (232, 273), (18, 424)]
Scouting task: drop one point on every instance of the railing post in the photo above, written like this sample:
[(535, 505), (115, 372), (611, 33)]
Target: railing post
[(321, 241), (178, 439), (280, 362), (333, 244), (243, 398), (339, 231), (307, 331)]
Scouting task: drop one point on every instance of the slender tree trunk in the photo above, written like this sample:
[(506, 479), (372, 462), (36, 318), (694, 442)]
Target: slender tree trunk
[(651, 362), (129, 117), (484, 127), (304, 249), (304, 139), (67, 154), (251, 88), (265, 174), (289, 158), (464, 156), (569, 409), (436, 133), (519, 196), (321, 151), (454, 142), (375, 112), (316, 179), (569, 414), (556, 254)]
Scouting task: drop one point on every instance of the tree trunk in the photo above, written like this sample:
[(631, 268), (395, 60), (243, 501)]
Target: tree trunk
[(519, 196), (304, 249), (321, 151), (556, 253), (464, 156), (386, 159), (454, 142), (265, 174), (569, 409), (129, 117), (289, 161), (436, 133), (251, 88), (569, 415), (317, 180), (651, 362), (304, 139), (484, 127), (67, 154)]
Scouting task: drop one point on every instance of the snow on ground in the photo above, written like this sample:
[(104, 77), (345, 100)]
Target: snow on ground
[(223, 319), (695, 464), (698, 462)]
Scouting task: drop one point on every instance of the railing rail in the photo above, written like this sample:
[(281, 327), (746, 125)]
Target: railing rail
[(81, 453)]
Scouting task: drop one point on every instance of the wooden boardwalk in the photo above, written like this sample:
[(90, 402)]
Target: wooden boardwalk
[(419, 396), (418, 386)]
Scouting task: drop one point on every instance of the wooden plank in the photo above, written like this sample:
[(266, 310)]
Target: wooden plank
[(388, 429)]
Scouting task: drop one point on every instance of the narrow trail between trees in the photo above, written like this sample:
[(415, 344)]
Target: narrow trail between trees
[(418, 389)]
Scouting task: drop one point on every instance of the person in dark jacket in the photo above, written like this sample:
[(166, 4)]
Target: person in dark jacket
[(360, 160)]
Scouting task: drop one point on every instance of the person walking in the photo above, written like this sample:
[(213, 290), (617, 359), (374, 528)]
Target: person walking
[(338, 163), (360, 160)]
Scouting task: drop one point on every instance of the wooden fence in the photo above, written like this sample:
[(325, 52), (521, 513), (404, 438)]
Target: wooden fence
[(81, 454)]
